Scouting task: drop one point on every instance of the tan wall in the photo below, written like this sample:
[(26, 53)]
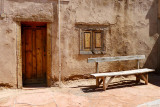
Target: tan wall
[(18, 11), (134, 33)]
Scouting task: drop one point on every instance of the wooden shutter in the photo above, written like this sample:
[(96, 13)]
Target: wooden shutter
[(87, 41), (97, 40)]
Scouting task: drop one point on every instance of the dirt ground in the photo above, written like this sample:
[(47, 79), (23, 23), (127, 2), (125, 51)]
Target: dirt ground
[(122, 92)]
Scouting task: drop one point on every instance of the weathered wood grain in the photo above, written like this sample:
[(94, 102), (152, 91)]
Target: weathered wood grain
[(97, 81), (137, 78), (44, 53), (104, 83), (86, 52), (29, 50), (39, 50), (98, 40), (138, 72), (34, 55), (34, 73), (145, 78), (117, 58), (87, 40), (97, 71), (129, 72)]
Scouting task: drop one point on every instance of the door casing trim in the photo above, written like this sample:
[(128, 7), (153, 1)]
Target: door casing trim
[(19, 54)]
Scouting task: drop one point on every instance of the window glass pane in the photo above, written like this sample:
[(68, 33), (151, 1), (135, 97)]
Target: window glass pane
[(98, 40), (87, 40)]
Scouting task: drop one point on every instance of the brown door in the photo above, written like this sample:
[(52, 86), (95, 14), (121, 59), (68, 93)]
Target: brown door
[(34, 54)]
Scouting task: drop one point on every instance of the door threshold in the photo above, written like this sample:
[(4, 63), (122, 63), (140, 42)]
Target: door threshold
[(34, 85)]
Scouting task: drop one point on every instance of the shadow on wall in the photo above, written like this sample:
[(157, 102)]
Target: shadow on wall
[(153, 58)]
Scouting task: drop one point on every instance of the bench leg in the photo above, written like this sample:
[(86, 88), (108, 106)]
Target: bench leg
[(146, 75), (106, 85), (145, 78), (98, 81), (137, 78)]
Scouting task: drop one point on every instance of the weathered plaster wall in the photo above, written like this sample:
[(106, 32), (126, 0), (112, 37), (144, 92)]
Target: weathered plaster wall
[(133, 31), (18, 11)]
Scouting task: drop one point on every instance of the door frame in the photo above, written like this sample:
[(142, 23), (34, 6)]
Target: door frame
[(19, 54)]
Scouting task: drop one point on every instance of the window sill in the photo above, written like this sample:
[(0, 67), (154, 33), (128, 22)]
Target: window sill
[(86, 52), (92, 53)]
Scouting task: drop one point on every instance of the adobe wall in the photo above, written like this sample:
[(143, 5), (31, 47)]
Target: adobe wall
[(132, 30), (19, 11)]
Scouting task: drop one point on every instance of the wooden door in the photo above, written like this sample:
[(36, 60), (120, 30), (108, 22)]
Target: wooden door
[(34, 54)]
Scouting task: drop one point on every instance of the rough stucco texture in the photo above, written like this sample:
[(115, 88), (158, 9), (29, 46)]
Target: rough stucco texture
[(133, 30), (18, 11), (135, 33)]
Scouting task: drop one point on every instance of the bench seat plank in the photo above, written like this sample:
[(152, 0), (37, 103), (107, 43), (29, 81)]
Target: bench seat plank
[(119, 73)]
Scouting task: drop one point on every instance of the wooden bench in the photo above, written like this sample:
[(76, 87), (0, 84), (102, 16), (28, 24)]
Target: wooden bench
[(101, 77)]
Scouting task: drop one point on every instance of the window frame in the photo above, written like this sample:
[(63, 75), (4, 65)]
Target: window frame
[(93, 49)]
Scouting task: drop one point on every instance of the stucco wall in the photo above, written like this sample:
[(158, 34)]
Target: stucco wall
[(132, 30), (19, 11)]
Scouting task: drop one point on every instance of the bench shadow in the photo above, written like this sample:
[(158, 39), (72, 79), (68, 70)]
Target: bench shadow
[(154, 79), (113, 85)]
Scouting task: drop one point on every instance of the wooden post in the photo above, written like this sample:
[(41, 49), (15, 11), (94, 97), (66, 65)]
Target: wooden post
[(97, 71), (137, 78), (100, 81), (146, 75), (138, 64), (97, 81), (144, 78), (104, 83), (97, 78)]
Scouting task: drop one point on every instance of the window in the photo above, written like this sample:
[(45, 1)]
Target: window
[(92, 42)]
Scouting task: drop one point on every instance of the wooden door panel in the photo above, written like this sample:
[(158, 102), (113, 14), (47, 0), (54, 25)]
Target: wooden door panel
[(34, 55), (28, 40), (39, 50), (28, 72), (44, 53), (28, 54)]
